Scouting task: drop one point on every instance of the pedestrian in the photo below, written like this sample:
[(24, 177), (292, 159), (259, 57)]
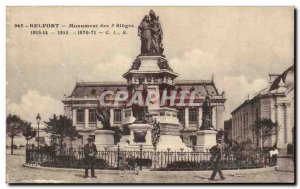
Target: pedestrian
[(90, 152), (216, 153)]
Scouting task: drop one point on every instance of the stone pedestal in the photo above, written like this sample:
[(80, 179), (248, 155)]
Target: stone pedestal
[(140, 134), (174, 143), (169, 131), (205, 140), (104, 139)]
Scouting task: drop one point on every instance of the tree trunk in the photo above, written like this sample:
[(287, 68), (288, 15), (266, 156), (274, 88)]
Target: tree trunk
[(61, 142), (12, 146)]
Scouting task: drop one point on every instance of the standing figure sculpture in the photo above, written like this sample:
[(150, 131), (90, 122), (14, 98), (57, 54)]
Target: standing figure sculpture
[(151, 35), (144, 32), (206, 115), (140, 111), (157, 34)]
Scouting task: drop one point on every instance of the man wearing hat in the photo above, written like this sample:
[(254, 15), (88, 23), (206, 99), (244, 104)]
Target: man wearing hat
[(90, 152), (216, 154)]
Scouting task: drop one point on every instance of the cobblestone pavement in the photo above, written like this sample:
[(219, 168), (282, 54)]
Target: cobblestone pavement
[(17, 173)]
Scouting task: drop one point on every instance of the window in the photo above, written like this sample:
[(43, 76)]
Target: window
[(193, 115), (193, 140), (180, 115), (80, 116), (117, 115), (92, 115)]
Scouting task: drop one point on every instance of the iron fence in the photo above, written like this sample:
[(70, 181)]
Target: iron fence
[(156, 160)]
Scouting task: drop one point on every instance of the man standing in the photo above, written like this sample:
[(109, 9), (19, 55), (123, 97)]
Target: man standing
[(216, 154), (90, 152)]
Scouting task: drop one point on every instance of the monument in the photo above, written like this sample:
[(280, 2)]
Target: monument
[(104, 137), (151, 73), (206, 136)]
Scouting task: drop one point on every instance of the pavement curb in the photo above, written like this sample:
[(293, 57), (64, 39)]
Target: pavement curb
[(150, 172)]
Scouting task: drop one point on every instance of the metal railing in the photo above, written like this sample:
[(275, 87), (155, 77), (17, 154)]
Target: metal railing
[(152, 159)]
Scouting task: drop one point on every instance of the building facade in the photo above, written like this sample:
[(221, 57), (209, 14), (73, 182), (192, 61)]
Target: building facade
[(82, 104), (276, 102)]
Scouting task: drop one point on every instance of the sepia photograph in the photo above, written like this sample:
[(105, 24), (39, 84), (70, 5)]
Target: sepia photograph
[(150, 95)]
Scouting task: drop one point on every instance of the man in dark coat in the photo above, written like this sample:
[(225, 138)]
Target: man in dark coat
[(216, 154), (90, 152)]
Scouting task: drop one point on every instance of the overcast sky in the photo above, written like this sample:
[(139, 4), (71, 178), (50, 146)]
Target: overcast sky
[(240, 46)]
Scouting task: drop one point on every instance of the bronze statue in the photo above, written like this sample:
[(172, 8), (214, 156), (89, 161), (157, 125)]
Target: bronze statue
[(140, 111), (206, 115), (151, 35), (103, 114), (144, 32), (157, 34)]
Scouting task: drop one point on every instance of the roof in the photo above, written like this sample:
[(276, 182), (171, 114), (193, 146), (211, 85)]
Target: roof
[(92, 89), (287, 77)]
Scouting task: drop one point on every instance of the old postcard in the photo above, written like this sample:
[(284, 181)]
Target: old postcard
[(150, 95)]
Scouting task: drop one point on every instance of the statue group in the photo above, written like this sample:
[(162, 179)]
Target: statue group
[(151, 35)]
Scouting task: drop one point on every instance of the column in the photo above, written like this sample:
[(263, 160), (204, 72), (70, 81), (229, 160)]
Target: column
[(288, 124), (74, 117), (214, 115), (123, 115), (199, 117), (286, 128), (186, 118), (276, 119), (111, 110), (220, 116), (86, 118), (281, 122)]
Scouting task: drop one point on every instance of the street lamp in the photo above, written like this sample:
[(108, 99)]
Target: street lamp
[(38, 119)]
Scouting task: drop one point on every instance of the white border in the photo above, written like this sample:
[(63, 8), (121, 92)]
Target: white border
[(5, 3)]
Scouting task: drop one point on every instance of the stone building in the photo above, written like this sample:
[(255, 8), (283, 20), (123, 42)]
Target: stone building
[(81, 107), (276, 102)]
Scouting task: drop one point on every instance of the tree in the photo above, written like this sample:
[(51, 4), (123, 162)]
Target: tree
[(13, 128), (227, 130), (155, 133), (264, 128), (73, 133), (61, 127), (28, 132), (220, 134), (117, 134)]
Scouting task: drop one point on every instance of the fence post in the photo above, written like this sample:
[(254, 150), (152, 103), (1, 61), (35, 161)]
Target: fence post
[(105, 153), (181, 149), (26, 152), (118, 149), (155, 157), (141, 156), (168, 156)]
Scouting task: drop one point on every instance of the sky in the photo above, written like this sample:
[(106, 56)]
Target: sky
[(240, 46)]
